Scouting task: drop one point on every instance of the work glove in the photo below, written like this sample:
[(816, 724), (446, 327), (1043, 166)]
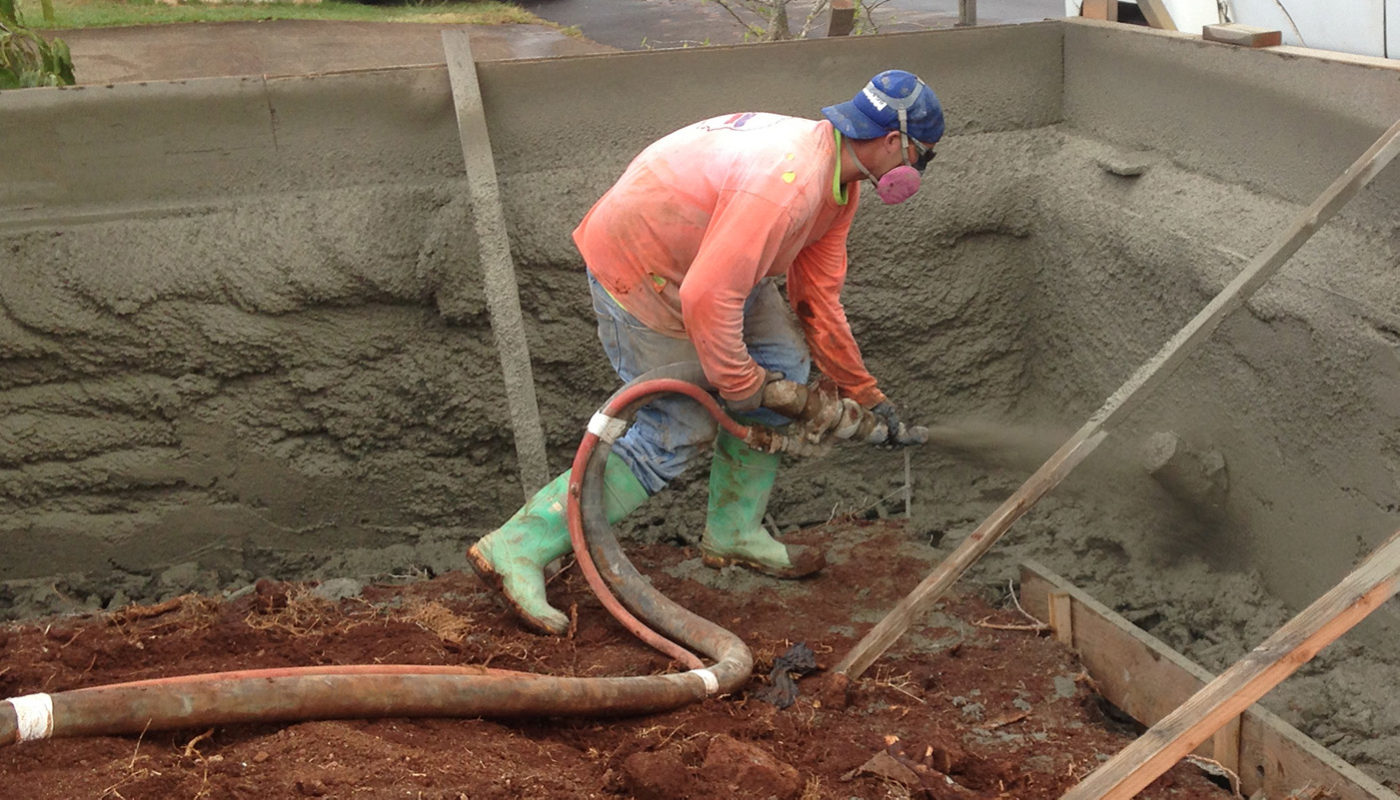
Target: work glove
[(887, 413), (753, 402)]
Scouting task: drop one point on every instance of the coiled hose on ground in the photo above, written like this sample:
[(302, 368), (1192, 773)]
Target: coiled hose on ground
[(404, 690)]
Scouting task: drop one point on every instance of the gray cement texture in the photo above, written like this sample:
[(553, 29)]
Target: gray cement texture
[(170, 430), (294, 378)]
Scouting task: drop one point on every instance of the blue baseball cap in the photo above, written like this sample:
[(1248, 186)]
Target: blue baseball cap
[(894, 100)]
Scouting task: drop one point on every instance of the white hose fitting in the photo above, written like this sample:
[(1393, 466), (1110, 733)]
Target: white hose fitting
[(33, 716), (711, 682), (606, 428)]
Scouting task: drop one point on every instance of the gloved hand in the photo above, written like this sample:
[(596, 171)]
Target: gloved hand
[(886, 411), (753, 402)]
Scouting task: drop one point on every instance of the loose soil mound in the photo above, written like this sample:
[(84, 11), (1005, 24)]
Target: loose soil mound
[(975, 704)]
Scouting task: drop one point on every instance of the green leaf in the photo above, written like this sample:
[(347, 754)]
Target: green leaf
[(28, 59), (65, 62), (47, 6)]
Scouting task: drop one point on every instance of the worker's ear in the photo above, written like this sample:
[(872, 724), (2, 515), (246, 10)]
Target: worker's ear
[(892, 139)]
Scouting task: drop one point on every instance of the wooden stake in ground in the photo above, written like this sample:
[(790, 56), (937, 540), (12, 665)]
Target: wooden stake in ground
[(1123, 401), (1239, 687), (502, 292), (843, 18)]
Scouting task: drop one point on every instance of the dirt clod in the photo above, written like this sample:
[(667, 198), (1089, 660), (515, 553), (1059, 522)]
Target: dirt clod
[(658, 775), (748, 770)]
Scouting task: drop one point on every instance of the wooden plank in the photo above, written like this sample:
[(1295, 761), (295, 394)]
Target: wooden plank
[(502, 291), (1283, 760), (1119, 405), (1318, 625), (1136, 672), (1100, 9), (1224, 746), (1062, 618), (843, 18), (1130, 667), (1156, 14), (1242, 35)]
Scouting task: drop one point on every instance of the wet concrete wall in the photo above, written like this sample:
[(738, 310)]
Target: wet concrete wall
[(243, 330), (1301, 389)]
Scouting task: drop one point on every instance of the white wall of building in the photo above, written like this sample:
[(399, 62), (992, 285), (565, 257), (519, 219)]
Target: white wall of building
[(1365, 27), (1351, 26), (1392, 28)]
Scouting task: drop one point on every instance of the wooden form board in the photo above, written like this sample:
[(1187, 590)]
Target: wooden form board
[(1148, 680), (1241, 35), (1100, 9)]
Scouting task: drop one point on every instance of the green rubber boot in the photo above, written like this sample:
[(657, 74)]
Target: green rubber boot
[(741, 480), (512, 558)]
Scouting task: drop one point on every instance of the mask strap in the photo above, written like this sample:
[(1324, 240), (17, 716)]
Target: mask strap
[(856, 160)]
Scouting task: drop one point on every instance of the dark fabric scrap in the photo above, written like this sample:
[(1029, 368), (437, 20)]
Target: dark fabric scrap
[(797, 661)]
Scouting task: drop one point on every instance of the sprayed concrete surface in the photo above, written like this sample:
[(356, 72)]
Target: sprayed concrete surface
[(255, 345)]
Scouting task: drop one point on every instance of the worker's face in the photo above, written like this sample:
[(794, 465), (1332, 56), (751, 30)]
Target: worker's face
[(902, 160), (906, 150), (923, 154)]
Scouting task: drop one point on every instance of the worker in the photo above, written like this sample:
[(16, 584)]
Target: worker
[(683, 256)]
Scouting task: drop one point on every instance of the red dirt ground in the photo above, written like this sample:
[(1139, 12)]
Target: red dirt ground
[(984, 709)]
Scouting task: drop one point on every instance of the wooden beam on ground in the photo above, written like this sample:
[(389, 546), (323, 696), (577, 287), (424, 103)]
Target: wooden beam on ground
[(1119, 405), (1156, 14), (843, 18), (1136, 673), (502, 291), (1100, 9), (1146, 679), (1061, 616), (1242, 35), (1239, 687)]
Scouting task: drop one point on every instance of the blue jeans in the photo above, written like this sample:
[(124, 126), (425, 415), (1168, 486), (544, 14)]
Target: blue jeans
[(671, 431)]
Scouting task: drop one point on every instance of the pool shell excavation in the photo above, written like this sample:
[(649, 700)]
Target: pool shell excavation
[(244, 330)]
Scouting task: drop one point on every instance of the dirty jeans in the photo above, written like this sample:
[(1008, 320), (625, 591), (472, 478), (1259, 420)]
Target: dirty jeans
[(670, 432)]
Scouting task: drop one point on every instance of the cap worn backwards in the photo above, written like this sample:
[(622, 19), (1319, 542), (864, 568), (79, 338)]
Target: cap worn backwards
[(889, 99)]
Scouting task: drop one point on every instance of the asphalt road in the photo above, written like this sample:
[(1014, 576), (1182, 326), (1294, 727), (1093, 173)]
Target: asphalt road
[(642, 24), (290, 47), (294, 47)]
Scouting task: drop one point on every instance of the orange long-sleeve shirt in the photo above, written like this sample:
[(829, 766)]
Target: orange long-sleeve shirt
[(704, 214)]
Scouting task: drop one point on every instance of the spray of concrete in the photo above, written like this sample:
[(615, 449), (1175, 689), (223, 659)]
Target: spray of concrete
[(997, 442)]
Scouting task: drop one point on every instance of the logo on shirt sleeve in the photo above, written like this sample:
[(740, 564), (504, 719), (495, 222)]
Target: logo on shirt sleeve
[(746, 121)]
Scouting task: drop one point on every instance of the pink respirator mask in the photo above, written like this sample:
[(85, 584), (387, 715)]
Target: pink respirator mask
[(901, 182)]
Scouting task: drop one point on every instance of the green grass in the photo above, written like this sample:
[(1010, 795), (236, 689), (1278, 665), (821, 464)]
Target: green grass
[(109, 13)]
